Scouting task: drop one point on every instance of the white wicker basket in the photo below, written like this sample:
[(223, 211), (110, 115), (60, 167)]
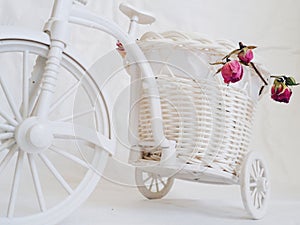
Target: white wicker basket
[(210, 121)]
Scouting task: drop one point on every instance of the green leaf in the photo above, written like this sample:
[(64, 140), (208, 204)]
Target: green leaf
[(290, 81)]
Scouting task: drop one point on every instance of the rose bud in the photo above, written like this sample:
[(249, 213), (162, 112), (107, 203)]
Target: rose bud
[(121, 49), (280, 92), (246, 55), (232, 72)]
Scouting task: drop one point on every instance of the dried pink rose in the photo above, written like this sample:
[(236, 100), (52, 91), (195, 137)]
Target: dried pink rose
[(121, 49), (232, 71), (246, 55), (280, 92)]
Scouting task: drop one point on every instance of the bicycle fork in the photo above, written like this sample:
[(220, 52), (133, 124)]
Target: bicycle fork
[(57, 28), (35, 133)]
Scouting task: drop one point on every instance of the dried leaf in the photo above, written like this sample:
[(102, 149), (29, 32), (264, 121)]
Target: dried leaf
[(217, 63), (251, 47), (231, 53)]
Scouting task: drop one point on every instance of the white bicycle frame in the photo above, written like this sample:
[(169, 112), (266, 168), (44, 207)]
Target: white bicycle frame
[(65, 12)]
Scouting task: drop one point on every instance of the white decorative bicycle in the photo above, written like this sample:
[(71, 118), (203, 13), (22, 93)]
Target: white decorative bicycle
[(184, 123)]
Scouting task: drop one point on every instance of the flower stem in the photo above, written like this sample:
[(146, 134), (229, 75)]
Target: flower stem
[(258, 73)]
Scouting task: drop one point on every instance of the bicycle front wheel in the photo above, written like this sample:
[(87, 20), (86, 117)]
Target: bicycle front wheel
[(44, 187)]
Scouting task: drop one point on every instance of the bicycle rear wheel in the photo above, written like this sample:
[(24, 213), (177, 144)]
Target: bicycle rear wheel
[(45, 187)]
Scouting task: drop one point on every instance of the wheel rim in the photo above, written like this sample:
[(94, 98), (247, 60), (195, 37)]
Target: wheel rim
[(152, 185), (51, 195), (255, 186)]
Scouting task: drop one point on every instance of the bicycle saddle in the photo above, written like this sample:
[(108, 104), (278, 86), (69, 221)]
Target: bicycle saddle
[(131, 12)]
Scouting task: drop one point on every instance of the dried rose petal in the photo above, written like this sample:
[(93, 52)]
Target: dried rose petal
[(281, 93), (232, 72), (246, 55)]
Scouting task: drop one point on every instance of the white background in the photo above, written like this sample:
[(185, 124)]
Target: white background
[(272, 25)]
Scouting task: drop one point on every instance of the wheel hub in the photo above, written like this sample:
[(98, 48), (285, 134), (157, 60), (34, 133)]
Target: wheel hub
[(34, 135), (262, 184)]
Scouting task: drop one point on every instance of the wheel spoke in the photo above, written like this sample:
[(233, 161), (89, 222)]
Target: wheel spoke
[(16, 184), (37, 183), (259, 196), (261, 172), (77, 115), (10, 120), (25, 96), (151, 184), (147, 179), (10, 100), (253, 192), (255, 199), (252, 184), (258, 167), (6, 127), (7, 144), (56, 174), (254, 171), (8, 158), (69, 156), (64, 97), (5, 136), (161, 180), (252, 174), (35, 81), (156, 184)]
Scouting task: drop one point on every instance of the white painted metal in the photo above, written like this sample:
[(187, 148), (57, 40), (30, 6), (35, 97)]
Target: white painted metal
[(10, 100), (83, 17), (7, 144), (67, 94), (37, 182), (6, 135), (255, 185), (25, 99), (8, 157), (16, 184), (8, 118), (57, 28), (73, 131), (135, 14), (30, 128), (49, 78), (33, 135), (136, 17), (153, 185), (6, 127)]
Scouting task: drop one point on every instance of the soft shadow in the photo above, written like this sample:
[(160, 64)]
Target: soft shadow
[(207, 208)]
